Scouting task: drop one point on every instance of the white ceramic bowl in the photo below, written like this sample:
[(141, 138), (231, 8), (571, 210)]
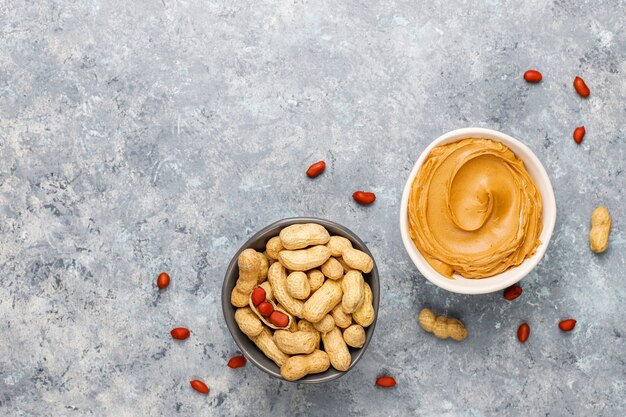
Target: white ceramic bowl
[(509, 277)]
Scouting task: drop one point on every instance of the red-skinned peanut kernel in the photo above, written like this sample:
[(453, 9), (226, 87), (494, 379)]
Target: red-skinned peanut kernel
[(279, 319), (258, 296), (532, 76), (237, 362), (265, 309), (316, 169), (163, 280), (385, 381), (199, 386)]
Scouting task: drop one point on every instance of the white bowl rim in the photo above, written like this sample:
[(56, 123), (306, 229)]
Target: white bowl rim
[(507, 278)]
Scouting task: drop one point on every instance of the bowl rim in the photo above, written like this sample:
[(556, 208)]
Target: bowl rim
[(497, 282), (372, 278)]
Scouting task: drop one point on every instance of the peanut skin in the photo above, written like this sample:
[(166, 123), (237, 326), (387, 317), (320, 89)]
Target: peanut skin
[(332, 268), (304, 259), (353, 287), (298, 236), (337, 349), (354, 336), (263, 267), (297, 367), (248, 322), (307, 326), (293, 326), (267, 321), (273, 247), (298, 285), (238, 299), (277, 276), (442, 327), (268, 290), (345, 266), (600, 229), (325, 325), (249, 270), (337, 244), (322, 301), (342, 319), (357, 259), (316, 279), (295, 343), (364, 314), (265, 342)]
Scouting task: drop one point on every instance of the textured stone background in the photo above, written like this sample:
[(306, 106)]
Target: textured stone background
[(140, 136)]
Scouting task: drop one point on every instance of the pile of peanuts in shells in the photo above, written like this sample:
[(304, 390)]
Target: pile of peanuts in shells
[(304, 301)]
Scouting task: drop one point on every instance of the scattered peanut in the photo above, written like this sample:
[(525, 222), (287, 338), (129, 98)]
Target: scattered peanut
[(364, 314), (332, 269), (364, 197), (237, 362), (353, 287), (298, 285), (567, 325), (354, 336), (298, 236), (386, 381), (199, 386), (600, 229), (322, 301), (163, 280), (442, 327), (296, 343), (304, 259), (512, 292), (357, 259), (337, 349), (523, 332), (316, 169), (180, 333), (579, 134), (297, 367), (532, 76), (580, 87)]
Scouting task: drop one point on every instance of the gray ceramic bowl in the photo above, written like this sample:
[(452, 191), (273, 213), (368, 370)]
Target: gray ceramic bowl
[(258, 241)]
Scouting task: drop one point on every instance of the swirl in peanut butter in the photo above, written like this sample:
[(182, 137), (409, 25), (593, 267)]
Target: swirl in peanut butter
[(474, 210)]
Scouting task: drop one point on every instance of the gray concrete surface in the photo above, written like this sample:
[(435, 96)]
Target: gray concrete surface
[(140, 136)]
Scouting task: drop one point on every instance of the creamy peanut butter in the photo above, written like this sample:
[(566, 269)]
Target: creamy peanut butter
[(474, 210)]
